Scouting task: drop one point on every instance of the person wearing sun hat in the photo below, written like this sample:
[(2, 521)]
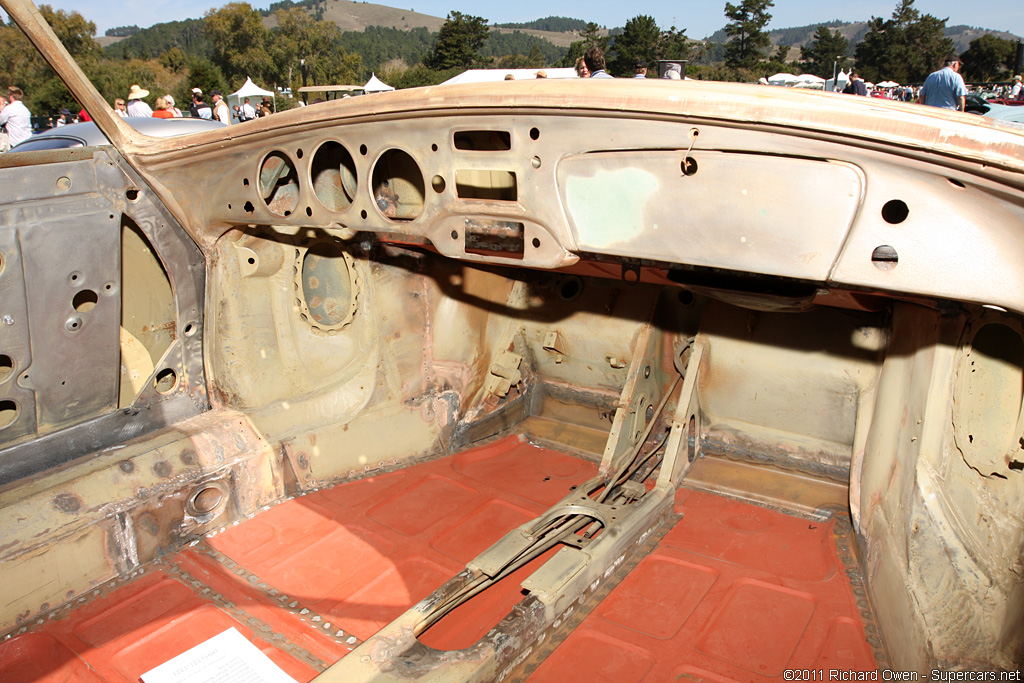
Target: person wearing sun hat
[(136, 105)]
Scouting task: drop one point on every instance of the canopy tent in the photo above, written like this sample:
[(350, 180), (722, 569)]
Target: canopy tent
[(841, 81), (250, 89), (376, 85), (809, 81), (492, 75), (887, 84), (782, 79)]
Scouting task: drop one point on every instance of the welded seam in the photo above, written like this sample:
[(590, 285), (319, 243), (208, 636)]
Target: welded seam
[(283, 601), (846, 550), (262, 629)]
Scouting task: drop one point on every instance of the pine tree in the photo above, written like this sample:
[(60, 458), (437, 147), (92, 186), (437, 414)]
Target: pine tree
[(749, 39)]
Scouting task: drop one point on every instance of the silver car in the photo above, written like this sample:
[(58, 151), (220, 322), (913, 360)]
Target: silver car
[(87, 134)]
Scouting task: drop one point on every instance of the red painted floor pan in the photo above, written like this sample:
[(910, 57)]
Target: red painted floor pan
[(732, 592)]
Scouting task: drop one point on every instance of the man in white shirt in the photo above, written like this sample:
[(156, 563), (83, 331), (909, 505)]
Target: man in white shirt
[(220, 108), (248, 113), (136, 105), (15, 117)]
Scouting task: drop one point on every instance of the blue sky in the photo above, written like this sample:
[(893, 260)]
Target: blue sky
[(699, 19)]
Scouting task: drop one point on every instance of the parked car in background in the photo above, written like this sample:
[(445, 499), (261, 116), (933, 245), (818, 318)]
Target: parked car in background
[(88, 134)]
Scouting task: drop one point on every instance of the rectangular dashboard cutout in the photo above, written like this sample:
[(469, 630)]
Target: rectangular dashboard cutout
[(494, 185), (495, 238), (483, 140)]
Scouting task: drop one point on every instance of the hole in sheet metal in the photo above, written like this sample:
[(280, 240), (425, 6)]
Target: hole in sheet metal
[(327, 286), (437, 182), (534, 133), (895, 211), (483, 140), (479, 184), (131, 194), (165, 381), (8, 413), (85, 301), (398, 186), (333, 176), (279, 184), (956, 183), (884, 257), (570, 288), (691, 440), (6, 367), (206, 499), (495, 238), (688, 166)]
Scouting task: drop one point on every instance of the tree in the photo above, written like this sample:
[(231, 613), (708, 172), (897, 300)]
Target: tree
[(989, 57), (905, 48), (589, 36), (826, 53), (240, 41), (639, 41), (23, 66), (749, 39), (299, 36), (674, 44), (458, 42)]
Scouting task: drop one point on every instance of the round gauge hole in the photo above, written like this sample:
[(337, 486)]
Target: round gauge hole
[(131, 195), (333, 175), (298, 153), (535, 243), (534, 133), (6, 367), (688, 166), (437, 182), (433, 148), (8, 413), (362, 150), (535, 162), (190, 330), (398, 186), (279, 184)]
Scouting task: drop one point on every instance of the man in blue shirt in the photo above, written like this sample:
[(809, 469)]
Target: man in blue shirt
[(945, 88), (594, 59)]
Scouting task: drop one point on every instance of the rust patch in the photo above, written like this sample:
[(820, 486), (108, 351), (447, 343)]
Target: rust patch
[(162, 469), (188, 457), (126, 466), (67, 502)]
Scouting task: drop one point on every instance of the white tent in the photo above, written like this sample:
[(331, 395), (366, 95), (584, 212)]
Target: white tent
[(841, 81), (250, 90), (490, 75), (782, 79), (376, 85), (887, 84), (809, 81)]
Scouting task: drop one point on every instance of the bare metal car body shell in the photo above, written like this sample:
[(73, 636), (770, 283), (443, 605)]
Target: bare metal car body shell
[(852, 310)]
